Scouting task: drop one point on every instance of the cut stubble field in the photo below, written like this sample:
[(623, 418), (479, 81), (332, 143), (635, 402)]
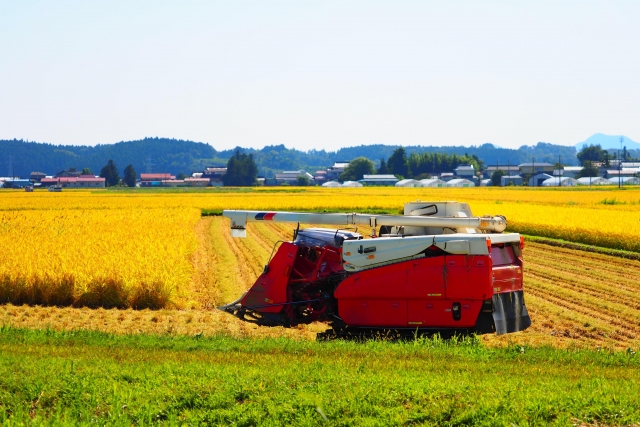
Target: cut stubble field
[(575, 298)]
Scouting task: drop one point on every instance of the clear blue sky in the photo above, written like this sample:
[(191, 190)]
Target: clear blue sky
[(321, 74)]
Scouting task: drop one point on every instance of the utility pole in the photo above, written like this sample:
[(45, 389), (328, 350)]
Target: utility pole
[(10, 165), (559, 166), (620, 163), (533, 171)]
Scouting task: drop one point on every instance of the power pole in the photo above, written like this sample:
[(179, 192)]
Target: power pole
[(559, 166), (10, 166), (149, 165), (533, 171), (620, 163)]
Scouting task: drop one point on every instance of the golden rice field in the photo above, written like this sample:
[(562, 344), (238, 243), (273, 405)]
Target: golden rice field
[(154, 250)]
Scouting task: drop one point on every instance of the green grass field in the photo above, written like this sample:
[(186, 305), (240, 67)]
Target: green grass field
[(73, 378)]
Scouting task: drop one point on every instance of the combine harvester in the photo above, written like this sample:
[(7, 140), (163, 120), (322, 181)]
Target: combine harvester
[(437, 268)]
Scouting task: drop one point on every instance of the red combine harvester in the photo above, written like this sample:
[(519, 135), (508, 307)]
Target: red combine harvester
[(437, 268)]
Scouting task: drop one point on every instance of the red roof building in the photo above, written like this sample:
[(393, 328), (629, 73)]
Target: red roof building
[(83, 181)]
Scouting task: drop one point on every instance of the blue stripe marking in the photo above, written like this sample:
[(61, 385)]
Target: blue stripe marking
[(260, 216)]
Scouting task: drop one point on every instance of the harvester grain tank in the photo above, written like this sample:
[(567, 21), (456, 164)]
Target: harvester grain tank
[(437, 268)]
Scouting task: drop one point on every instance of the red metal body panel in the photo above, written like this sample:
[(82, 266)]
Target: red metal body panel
[(271, 287), (417, 292), (468, 277), (425, 279), (374, 312), (437, 313)]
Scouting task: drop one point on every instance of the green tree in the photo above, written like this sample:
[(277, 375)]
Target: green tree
[(594, 153), (241, 170), (180, 176), (302, 180), (383, 169), (398, 163), (495, 177), (357, 168), (129, 176), (479, 163), (86, 171), (110, 174), (423, 175), (588, 169)]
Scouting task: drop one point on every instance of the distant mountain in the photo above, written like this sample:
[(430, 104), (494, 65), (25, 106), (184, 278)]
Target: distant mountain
[(608, 142), (20, 158)]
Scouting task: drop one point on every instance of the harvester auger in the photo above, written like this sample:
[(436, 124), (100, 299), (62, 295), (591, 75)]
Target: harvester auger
[(437, 268)]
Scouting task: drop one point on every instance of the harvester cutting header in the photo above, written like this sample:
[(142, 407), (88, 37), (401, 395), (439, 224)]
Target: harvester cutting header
[(437, 268)]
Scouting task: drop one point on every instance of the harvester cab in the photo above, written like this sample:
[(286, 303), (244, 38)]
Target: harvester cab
[(437, 268)]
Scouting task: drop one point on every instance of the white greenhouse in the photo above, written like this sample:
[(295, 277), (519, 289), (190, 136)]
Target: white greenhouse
[(559, 182), (485, 183), (331, 184), (351, 184), (626, 180), (433, 182), (408, 183), (594, 180), (460, 182)]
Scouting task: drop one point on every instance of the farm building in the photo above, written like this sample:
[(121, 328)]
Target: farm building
[(196, 182), (508, 169), (291, 177), (571, 171), (433, 182), (460, 182), (465, 171), (408, 183), (17, 183), (538, 179), (595, 180), (83, 181), (378, 180), (214, 174), (510, 180), (529, 168), (485, 183), (351, 184), (320, 177), (331, 184), (621, 172), (172, 182), (559, 182), (154, 179), (37, 176), (334, 172)]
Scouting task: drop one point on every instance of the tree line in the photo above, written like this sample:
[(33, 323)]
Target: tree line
[(416, 165)]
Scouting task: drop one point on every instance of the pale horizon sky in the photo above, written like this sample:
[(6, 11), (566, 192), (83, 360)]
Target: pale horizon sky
[(320, 75)]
